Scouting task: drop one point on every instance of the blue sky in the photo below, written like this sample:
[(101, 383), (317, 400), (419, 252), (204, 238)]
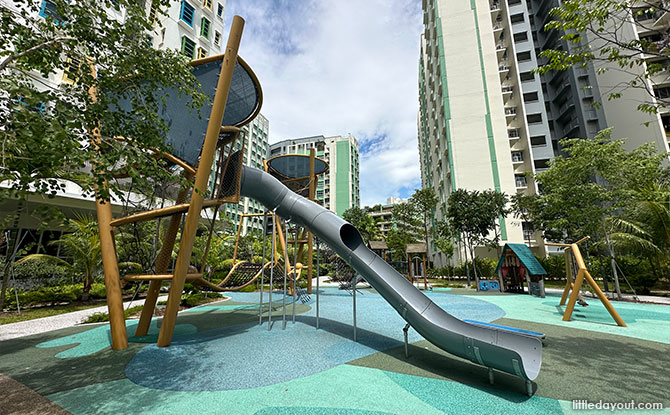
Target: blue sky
[(338, 67)]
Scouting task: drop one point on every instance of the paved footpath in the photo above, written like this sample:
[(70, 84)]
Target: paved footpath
[(41, 325)]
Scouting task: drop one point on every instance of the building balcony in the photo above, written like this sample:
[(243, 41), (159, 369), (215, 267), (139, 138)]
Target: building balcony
[(503, 68), (513, 133), (510, 112), (517, 157), (520, 181)]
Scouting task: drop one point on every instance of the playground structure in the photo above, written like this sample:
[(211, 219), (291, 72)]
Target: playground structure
[(416, 263), (575, 274), (237, 97), (517, 265), (299, 173)]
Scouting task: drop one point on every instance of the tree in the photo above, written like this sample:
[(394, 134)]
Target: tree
[(407, 220), (424, 202), (596, 32), (82, 246), (595, 180), (362, 221), (47, 131), (474, 215), (396, 241), (443, 236)]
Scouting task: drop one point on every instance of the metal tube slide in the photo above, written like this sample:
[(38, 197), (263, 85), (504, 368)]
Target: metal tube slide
[(487, 346)]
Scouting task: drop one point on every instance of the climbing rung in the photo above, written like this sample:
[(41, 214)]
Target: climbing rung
[(159, 213), (151, 277)]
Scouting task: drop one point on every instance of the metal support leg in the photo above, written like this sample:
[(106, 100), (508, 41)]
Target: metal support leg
[(274, 248), (260, 300), (405, 333), (295, 270), (283, 313), (355, 309), (317, 283), (491, 380), (529, 388)]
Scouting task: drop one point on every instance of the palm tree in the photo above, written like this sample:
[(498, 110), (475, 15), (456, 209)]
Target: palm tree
[(82, 246)]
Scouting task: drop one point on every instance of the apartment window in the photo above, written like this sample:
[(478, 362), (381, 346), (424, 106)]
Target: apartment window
[(662, 93), (513, 2), (538, 140), (541, 164), (530, 96), (219, 10), (207, 4), (187, 47), (534, 118), (516, 18), (521, 37), (517, 157), (526, 76), (520, 180), (48, 9), (523, 56), (71, 71), (204, 28), (201, 53), (186, 13)]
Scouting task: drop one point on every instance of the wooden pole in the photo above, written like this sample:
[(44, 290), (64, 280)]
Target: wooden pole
[(568, 276), (310, 238), (574, 295), (201, 179), (162, 264), (604, 300), (117, 320)]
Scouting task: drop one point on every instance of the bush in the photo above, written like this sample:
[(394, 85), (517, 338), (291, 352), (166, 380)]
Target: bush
[(638, 272), (192, 300), (41, 273), (44, 295), (98, 290), (555, 266)]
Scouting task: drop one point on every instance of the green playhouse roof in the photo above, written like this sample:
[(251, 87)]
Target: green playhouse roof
[(526, 256)]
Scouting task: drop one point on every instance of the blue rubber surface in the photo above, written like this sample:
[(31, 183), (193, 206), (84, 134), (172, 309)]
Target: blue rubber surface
[(219, 359)]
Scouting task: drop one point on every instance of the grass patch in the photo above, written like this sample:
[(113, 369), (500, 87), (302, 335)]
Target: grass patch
[(101, 317), (33, 313)]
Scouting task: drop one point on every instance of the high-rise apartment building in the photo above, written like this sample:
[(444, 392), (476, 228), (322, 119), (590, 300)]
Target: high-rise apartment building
[(195, 27), (472, 126), (486, 119), (339, 189), (255, 151)]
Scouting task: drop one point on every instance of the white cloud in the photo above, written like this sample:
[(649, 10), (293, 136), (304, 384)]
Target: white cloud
[(340, 67)]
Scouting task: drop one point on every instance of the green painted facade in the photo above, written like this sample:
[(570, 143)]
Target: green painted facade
[(342, 177)]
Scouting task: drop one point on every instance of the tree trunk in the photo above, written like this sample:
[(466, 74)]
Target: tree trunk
[(467, 267), (615, 274), (474, 266), (85, 295), (5, 276)]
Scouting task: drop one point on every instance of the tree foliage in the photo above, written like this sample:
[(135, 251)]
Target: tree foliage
[(590, 182), (596, 31), (424, 202), (47, 129), (363, 222), (474, 215)]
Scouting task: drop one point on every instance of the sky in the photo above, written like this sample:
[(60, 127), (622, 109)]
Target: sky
[(340, 67)]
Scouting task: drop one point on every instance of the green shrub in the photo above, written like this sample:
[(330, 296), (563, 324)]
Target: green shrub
[(98, 290), (555, 266), (192, 300), (44, 295), (41, 273), (248, 289), (102, 317)]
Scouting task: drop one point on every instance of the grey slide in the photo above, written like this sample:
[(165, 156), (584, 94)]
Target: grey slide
[(492, 347)]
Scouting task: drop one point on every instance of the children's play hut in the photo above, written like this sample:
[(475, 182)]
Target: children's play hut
[(518, 264)]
